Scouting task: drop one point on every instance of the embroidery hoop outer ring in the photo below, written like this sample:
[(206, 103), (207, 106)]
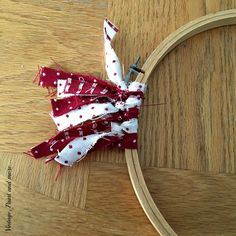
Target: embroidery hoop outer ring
[(192, 28)]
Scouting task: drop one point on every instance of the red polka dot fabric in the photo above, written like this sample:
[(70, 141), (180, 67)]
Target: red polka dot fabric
[(90, 113)]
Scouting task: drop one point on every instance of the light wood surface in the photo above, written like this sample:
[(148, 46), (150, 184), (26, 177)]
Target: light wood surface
[(194, 130), (194, 27)]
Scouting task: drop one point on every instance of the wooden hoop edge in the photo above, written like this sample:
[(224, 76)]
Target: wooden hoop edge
[(192, 28)]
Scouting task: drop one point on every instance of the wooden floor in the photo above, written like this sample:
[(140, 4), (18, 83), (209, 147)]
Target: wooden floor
[(187, 147)]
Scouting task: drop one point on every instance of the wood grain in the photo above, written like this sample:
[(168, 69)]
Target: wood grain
[(34, 174), (202, 24), (111, 207), (194, 203), (195, 103), (31, 34), (96, 196)]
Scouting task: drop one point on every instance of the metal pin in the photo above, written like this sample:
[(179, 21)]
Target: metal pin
[(133, 70)]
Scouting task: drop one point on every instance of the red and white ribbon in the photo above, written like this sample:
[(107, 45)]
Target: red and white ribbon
[(91, 113)]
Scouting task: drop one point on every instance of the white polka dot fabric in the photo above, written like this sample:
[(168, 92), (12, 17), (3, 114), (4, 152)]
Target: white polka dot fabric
[(112, 63), (79, 147), (82, 114)]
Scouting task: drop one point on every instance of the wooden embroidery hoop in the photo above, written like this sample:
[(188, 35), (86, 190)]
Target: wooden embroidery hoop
[(192, 28)]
